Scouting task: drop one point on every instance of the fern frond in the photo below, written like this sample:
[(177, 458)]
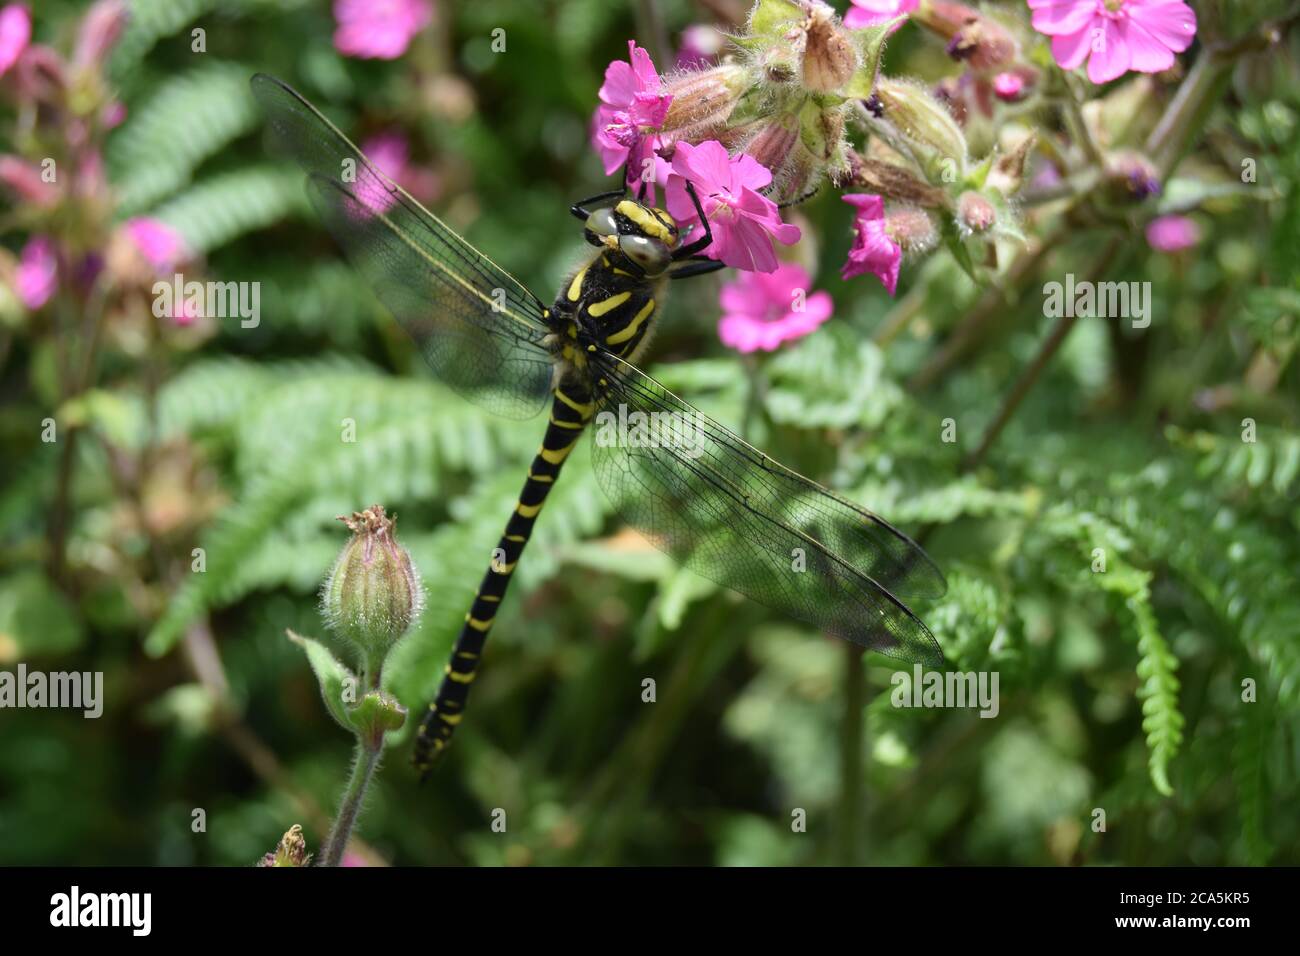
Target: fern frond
[(225, 207), (188, 119)]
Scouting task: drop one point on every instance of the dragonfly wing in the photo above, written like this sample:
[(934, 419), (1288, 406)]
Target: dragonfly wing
[(477, 326), (729, 512)]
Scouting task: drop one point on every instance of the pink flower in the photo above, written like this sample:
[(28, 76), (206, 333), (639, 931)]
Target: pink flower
[(1115, 36), (632, 106), (762, 310), (15, 34), (1172, 233), (873, 250), (867, 13), (390, 151), (37, 275), (159, 243), (378, 29), (743, 222), (1008, 86)]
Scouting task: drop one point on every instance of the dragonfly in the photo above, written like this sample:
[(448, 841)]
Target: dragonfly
[(696, 490)]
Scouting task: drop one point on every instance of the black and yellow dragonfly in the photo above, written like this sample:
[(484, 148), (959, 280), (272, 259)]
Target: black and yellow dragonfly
[(697, 491)]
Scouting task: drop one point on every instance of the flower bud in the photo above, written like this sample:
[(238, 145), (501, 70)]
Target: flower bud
[(373, 594), (773, 142), (922, 121), (100, 30), (829, 56), (975, 213), (893, 182), (704, 98), (912, 229)]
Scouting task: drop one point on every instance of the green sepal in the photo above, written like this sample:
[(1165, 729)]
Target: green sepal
[(769, 16), (377, 714), (871, 49), (957, 246)]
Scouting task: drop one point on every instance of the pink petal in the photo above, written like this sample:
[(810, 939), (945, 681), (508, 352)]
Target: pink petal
[(1071, 50), (870, 205), (707, 165), (1171, 22), (1110, 56), (1062, 17), (1147, 54), (646, 74), (619, 87), (746, 171)]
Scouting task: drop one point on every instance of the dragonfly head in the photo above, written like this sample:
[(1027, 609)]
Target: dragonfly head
[(645, 236)]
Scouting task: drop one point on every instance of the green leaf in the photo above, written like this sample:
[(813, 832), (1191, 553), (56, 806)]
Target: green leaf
[(334, 678)]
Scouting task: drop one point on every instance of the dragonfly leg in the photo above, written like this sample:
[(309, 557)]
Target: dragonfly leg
[(696, 266), (579, 209), (700, 244)]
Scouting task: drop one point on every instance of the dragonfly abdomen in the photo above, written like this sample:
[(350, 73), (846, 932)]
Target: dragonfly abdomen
[(571, 410)]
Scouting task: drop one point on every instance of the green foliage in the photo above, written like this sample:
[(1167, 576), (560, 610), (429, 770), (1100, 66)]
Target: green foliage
[(1124, 558)]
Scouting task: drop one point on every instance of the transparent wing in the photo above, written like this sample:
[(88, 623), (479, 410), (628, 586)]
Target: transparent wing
[(479, 329), (727, 511)]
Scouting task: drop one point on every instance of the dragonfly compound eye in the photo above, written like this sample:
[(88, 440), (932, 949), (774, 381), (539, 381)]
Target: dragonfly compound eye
[(650, 254), (601, 222)]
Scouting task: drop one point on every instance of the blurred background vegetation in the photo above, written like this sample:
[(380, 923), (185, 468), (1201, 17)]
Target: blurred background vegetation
[(1119, 690)]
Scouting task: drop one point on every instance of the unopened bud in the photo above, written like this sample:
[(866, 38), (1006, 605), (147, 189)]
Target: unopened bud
[(704, 98), (975, 212), (773, 142), (983, 44), (1012, 86), (913, 229), (893, 182), (1008, 170), (829, 56), (922, 121), (101, 28), (373, 594)]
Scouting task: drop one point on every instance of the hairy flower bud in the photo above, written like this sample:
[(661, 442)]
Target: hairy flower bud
[(100, 30), (913, 229), (979, 40), (923, 123), (373, 595), (703, 99), (975, 213), (893, 182), (829, 56)]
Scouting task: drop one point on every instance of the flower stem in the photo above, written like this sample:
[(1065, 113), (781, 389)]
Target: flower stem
[(363, 768)]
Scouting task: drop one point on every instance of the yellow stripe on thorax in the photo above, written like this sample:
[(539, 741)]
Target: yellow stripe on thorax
[(605, 305), (629, 330)]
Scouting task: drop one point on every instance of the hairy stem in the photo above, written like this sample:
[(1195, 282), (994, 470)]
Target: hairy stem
[(354, 794)]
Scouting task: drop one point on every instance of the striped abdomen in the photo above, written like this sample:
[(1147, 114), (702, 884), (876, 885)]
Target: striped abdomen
[(570, 412)]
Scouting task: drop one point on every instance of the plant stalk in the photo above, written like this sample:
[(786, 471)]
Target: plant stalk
[(363, 768)]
